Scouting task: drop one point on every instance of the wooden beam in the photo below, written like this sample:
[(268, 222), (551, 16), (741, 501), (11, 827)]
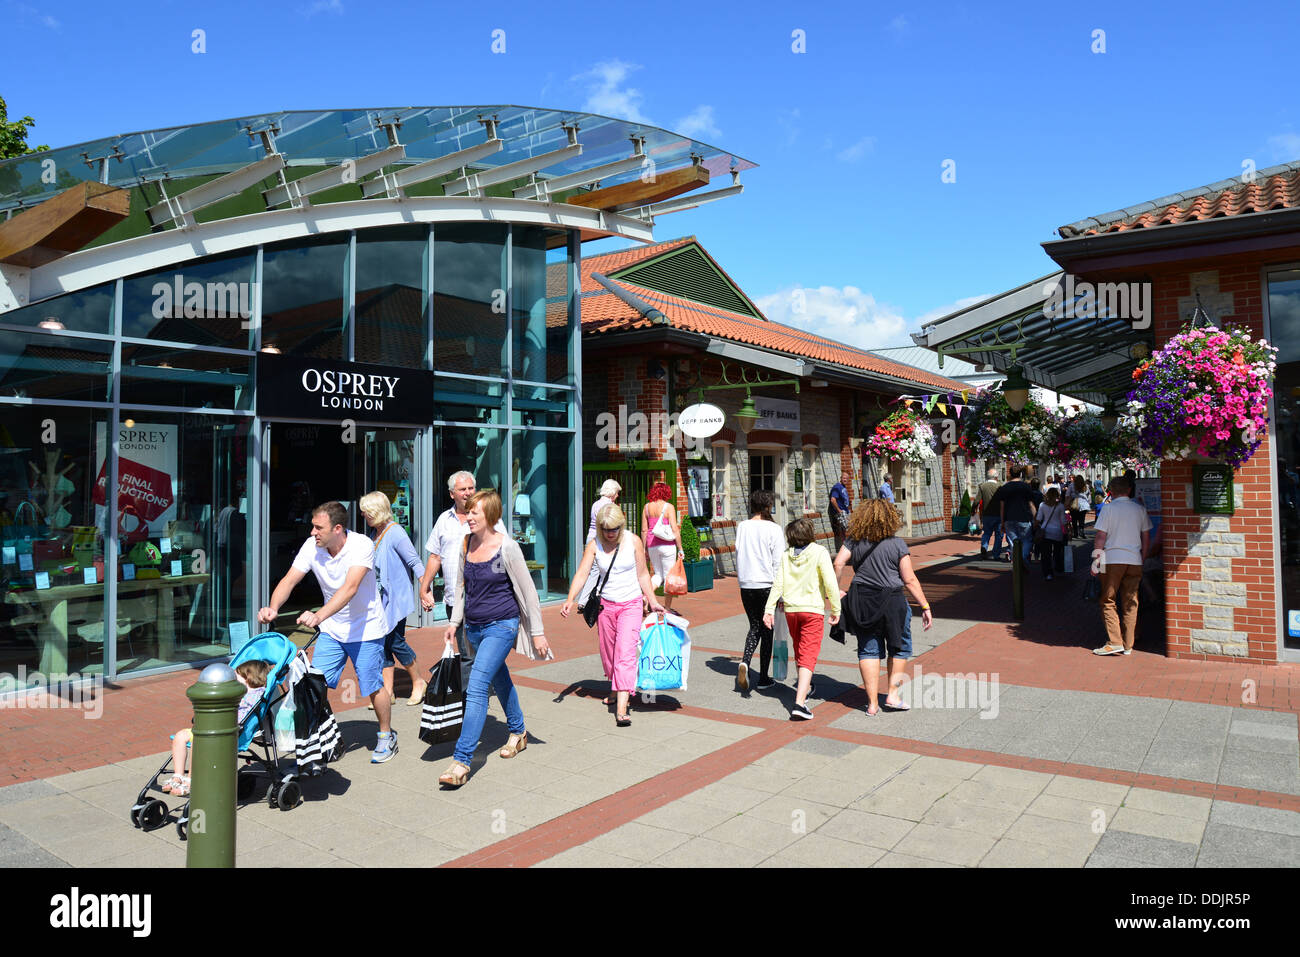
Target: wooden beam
[(637, 193), (63, 224)]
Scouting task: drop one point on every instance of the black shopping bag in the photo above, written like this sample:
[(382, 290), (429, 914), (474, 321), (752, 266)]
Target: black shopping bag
[(444, 702), (1091, 589)]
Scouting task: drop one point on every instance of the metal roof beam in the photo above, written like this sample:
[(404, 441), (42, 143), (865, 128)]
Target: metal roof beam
[(348, 171), (477, 182), (392, 184), (543, 189), (180, 209), (991, 312)]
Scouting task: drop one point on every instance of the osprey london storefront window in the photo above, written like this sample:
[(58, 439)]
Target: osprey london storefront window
[(159, 463)]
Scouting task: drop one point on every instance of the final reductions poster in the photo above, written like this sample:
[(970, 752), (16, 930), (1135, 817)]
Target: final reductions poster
[(146, 474)]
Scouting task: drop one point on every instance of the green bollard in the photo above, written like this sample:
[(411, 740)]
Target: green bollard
[(1017, 582), (211, 830)]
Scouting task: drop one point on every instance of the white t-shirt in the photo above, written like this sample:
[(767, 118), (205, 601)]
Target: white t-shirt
[(1123, 520), (445, 541), (361, 619), (759, 544)]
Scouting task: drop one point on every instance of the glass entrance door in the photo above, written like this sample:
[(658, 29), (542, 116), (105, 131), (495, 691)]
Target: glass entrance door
[(310, 464)]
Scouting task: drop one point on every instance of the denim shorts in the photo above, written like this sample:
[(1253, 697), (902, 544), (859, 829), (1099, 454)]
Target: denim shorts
[(873, 646), (395, 646), (366, 656)]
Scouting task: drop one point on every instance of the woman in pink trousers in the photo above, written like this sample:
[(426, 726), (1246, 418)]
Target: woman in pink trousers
[(623, 585)]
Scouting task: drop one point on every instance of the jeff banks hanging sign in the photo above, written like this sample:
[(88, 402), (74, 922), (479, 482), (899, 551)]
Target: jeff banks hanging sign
[(701, 420), (297, 387)]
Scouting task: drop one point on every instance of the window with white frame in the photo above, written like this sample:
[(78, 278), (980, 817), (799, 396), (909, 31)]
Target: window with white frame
[(808, 465), (721, 481)]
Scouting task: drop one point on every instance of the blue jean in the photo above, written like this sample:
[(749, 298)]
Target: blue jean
[(492, 642), (874, 646), (992, 530), (1020, 532)]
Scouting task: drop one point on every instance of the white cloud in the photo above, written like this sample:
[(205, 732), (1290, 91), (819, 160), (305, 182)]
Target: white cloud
[(1285, 147), (698, 123), (847, 314), (898, 25), (608, 94), (323, 6), (44, 19), (858, 150)]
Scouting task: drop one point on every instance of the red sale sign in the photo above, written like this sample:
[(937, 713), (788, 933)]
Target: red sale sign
[(142, 486)]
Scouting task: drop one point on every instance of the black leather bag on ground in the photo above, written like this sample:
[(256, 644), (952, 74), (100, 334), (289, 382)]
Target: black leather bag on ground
[(1091, 589), (444, 703)]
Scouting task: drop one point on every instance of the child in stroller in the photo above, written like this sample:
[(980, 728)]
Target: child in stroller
[(252, 675)]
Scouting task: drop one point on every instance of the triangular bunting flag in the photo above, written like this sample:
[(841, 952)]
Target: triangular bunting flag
[(943, 409)]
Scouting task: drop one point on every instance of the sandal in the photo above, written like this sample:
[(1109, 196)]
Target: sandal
[(455, 775), (623, 720), (417, 693), (514, 744), (178, 787), (177, 781)]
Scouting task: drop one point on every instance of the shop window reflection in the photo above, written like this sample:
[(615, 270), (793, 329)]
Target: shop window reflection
[(1284, 323), (541, 503), (392, 303), (51, 545), (469, 302), (304, 297)]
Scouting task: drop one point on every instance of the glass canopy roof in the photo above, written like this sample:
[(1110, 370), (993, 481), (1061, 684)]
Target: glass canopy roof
[(323, 138)]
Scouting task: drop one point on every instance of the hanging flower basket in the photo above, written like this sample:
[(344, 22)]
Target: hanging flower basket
[(903, 437), (991, 430), (1204, 393)]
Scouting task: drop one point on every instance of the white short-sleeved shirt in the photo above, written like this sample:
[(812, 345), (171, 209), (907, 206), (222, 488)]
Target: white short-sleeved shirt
[(1124, 520), (445, 541), (361, 619)]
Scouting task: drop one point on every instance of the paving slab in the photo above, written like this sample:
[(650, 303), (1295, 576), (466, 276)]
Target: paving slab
[(1255, 818), (818, 850), (1073, 836), (1084, 789), (863, 827), (1128, 849), (1154, 824), (1262, 770), (1164, 802), (687, 817), (954, 813), (1072, 810), (906, 860), (638, 842), (1225, 845), (1009, 852)]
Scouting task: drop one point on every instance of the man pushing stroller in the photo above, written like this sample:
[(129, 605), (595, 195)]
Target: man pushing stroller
[(351, 621)]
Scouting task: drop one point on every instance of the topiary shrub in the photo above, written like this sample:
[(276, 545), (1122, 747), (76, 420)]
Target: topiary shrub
[(690, 542)]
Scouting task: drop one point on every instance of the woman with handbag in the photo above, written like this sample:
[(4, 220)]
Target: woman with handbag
[(495, 599), (1049, 532), (662, 536), (615, 606), (882, 571), (395, 560)]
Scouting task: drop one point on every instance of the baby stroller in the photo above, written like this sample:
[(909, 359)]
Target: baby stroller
[(314, 726)]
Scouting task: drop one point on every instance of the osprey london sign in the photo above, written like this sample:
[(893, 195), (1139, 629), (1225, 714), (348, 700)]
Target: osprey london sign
[(701, 420), (297, 387)]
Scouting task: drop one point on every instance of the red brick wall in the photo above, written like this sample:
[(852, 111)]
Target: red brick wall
[(1220, 573)]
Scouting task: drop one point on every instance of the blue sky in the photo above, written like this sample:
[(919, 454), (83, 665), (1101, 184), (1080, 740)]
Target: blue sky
[(850, 136)]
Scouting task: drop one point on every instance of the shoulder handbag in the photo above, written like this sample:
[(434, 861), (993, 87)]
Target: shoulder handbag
[(591, 610)]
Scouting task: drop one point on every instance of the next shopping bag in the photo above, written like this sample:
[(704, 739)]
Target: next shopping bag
[(665, 655)]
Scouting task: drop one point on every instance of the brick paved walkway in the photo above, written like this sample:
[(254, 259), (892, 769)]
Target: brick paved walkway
[(1183, 763)]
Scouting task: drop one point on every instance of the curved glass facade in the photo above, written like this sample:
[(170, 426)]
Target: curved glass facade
[(150, 384)]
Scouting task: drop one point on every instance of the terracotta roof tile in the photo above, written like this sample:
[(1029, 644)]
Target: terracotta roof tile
[(1270, 191), (604, 312)]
